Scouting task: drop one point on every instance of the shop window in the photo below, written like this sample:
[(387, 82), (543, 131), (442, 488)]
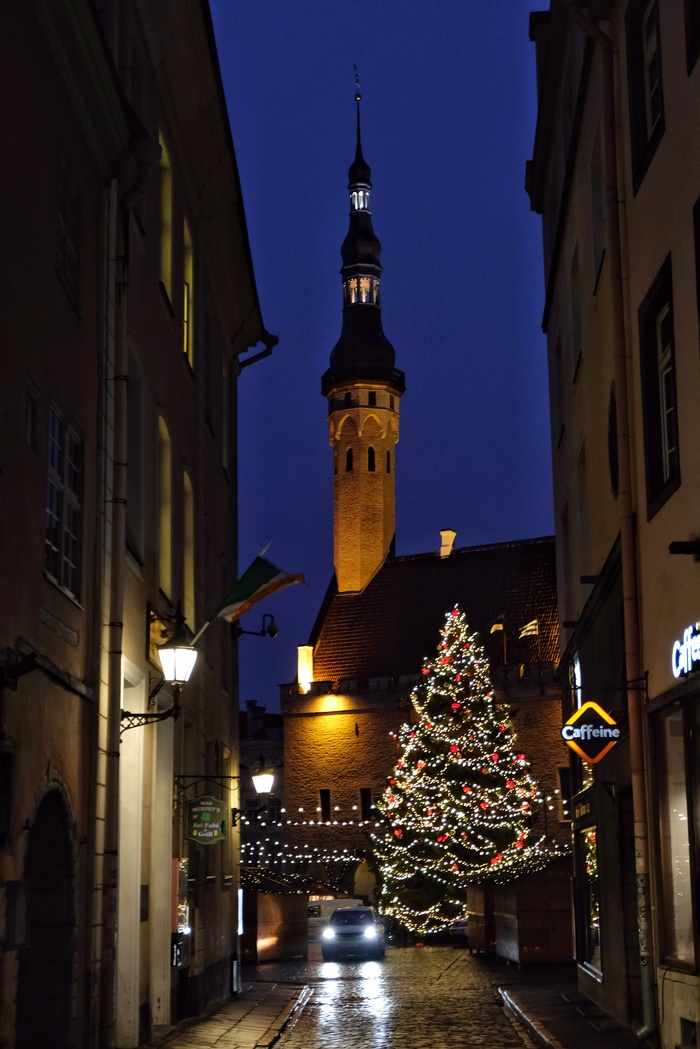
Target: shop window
[(64, 483), (676, 897), (644, 84), (658, 374), (589, 947)]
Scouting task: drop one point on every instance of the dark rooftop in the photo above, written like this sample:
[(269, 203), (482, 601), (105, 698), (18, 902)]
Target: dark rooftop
[(394, 623)]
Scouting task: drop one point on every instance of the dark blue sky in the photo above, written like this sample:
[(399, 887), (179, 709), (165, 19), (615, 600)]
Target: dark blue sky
[(448, 117)]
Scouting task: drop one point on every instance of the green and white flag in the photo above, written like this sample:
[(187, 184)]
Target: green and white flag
[(260, 580)]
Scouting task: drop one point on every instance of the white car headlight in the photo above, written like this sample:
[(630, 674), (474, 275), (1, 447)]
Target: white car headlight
[(328, 933), (370, 932)]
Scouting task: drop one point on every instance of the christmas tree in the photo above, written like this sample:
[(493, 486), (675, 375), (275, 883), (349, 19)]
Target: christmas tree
[(459, 807)]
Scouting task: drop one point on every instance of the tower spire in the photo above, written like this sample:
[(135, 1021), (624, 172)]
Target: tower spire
[(363, 389)]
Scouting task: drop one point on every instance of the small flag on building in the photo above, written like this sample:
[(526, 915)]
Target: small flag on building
[(531, 629), (498, 623), (260, 580)]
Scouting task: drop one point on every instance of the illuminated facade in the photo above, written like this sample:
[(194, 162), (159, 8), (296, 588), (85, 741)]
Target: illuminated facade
[(129, 303), (617, 186)]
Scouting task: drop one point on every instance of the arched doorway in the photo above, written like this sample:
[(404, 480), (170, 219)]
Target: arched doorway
[(45, 980)]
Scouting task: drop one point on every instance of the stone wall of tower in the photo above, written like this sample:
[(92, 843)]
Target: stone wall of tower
[(363, 436)]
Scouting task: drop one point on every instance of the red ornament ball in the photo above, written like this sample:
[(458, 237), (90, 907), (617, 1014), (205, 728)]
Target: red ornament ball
[(458, 677), (467, 790), (484, 805), (454, 749), (494, 757), (455, 612), (426, 670), (510, 783), (398, 832), (456, 706)]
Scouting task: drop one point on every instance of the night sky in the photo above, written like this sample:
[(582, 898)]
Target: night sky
[(448, 117)]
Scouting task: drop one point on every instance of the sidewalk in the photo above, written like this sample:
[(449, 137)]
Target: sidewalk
[(253, 1019), (555, 1014)]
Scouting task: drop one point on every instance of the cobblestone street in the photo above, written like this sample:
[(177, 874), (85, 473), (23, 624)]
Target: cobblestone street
[(436, 997)]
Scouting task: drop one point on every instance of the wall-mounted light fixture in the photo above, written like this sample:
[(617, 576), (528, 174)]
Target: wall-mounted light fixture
[(177, 660), (269, 628)]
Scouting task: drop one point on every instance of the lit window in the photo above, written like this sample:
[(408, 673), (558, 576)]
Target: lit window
[(68, 229), (64, 483), (359, 199), (164, 509), (677, 894), (188, 294), (188, 552)]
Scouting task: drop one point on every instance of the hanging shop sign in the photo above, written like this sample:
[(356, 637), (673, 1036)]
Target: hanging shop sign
[(685, 654), (205, 820), (590, 732)]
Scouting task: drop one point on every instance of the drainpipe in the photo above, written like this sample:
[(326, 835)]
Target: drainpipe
[(146, 153), (635, 695)]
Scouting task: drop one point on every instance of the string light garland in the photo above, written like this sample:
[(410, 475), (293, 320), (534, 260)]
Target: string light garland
[(458, 808)]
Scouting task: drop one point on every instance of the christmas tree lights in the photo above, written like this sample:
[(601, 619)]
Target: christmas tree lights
[(458, 808)]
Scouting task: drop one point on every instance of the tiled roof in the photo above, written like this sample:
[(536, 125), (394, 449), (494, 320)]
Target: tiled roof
[(394, 623)]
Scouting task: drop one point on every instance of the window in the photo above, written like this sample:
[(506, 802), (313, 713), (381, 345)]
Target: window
[(347, 397), (692, 31), (597, 207), (31, 417), (165, 185), (187, 294), (659, 403), (325, 808), (365, 803), (370, 460), (677, 894), (576, 334), (188, 550), (134, 457), (696, 231), (587, 859), (372, 399), (68, 229), (388, 462), (64, 482), (644, 82), (348, 461), (165, 509)]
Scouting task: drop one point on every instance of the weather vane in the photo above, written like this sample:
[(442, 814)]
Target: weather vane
[(358, 96)]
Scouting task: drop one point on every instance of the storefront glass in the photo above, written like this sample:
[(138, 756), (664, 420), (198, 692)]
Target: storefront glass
[(676, 890), (588, 852)]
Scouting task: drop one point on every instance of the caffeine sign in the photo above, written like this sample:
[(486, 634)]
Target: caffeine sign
[(590, 732)]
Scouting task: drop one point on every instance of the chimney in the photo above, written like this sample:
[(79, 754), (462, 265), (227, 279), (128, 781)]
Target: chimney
[(447, 538)]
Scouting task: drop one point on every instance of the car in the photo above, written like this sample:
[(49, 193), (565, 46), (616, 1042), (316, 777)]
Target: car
[(353, 932)]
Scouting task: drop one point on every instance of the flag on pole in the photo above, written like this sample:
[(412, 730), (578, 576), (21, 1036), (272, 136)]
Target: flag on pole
[(498, 623), (531, 629), (260, 580)]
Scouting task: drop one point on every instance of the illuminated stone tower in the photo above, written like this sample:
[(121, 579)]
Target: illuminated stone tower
[(363, 390)]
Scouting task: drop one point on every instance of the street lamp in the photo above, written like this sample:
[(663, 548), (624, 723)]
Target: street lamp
[(177, 659)]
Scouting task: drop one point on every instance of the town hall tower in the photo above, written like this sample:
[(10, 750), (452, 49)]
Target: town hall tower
[(363, 389)]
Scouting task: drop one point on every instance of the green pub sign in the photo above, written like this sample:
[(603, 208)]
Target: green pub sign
[(205, 820)]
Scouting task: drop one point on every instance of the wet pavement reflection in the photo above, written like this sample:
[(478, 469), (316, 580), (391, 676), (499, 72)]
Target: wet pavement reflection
[(418, 997)]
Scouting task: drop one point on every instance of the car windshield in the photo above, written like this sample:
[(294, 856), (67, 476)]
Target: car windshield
[(348, 917)]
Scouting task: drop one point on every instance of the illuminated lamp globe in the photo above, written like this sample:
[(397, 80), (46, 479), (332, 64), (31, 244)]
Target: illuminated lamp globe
[(177, 657), (263, 780)]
